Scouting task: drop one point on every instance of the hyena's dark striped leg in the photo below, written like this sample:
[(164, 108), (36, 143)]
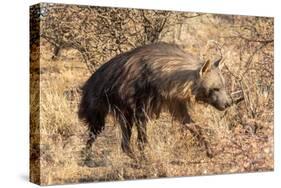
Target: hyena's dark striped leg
[(142, 138), (141, 128), (126, 129), (179, 111), (91, 139), (96, 125), (196, 131)]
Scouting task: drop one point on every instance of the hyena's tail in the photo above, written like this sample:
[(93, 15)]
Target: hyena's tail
[(93, 114)]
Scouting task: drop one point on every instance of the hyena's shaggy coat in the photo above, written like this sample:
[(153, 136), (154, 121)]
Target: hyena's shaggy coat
[(139, 84)]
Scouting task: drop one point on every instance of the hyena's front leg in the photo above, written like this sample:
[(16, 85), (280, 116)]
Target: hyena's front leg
[(179, 111), (196, 131)]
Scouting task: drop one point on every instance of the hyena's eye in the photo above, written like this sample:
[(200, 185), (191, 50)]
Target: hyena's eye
[(216, 89)]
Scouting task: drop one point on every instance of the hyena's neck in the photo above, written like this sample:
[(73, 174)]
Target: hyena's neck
[(180, 84)]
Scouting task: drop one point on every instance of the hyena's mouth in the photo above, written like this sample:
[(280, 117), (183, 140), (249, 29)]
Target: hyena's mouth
[(206, 102), (219, 107), (202, 101)]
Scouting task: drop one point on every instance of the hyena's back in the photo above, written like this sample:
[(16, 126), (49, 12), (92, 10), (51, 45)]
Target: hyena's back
[(138, 80)]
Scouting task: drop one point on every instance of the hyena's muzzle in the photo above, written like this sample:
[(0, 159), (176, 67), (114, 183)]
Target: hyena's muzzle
[(211, 86)]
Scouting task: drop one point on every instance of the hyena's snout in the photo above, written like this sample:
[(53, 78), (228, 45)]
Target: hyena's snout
[(227, 103), (221, 101), (218, 98)]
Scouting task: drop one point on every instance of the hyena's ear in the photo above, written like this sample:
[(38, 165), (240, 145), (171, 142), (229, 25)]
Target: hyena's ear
[(219, 63), (205, 68)]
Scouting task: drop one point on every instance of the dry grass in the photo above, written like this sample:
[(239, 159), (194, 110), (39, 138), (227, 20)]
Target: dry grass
[(172, 151)]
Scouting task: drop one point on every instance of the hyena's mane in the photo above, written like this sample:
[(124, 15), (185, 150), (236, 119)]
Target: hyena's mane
[(147, 79)]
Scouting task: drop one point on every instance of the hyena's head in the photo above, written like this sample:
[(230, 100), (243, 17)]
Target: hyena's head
[(210, 86)]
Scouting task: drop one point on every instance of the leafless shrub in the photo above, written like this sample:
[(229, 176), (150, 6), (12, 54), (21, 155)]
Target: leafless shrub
[(99, 33)]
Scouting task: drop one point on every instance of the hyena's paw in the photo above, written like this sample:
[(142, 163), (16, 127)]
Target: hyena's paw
[(89, 163), (210, 153), (95, 163), (131, 155), (88, 159)]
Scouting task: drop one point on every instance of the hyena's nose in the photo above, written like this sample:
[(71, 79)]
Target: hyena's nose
[(228, 103)]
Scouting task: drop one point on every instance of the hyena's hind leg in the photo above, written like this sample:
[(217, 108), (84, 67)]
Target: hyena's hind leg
[(126, 124), (141, 124), (96, 126)]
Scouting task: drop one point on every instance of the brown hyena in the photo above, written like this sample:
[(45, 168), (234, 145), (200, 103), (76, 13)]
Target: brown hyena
[(139, 84)]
